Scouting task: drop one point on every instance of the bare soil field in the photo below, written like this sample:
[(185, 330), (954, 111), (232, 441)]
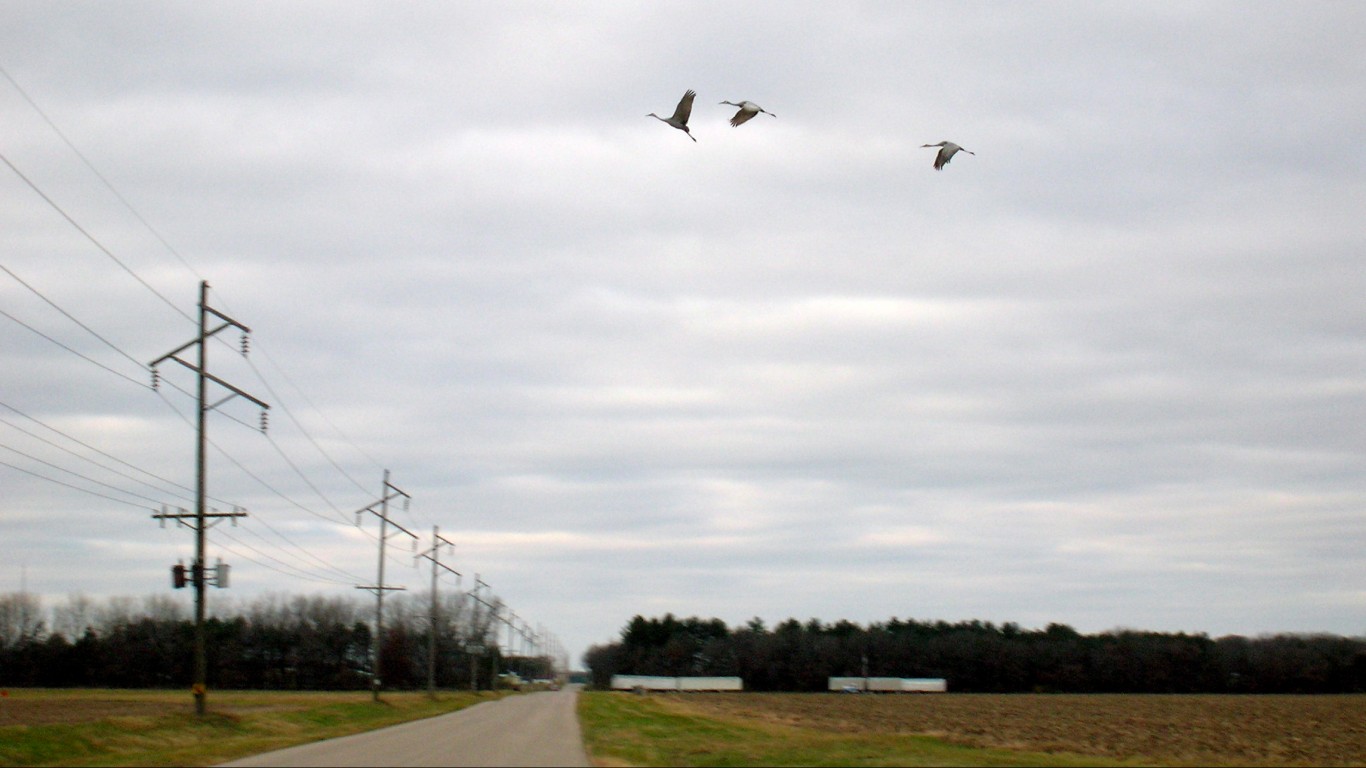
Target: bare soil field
[(1167, 730)]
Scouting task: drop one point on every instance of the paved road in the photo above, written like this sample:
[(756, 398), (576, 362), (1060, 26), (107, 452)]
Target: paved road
[(532, 729)]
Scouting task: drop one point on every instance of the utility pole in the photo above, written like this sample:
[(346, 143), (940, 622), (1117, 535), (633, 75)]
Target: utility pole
[(434, 554), (474, 625), (387, 493), (201, 516), (493, 652)]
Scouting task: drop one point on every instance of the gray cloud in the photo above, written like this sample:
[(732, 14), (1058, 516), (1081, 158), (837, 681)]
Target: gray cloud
[(1106, 372)]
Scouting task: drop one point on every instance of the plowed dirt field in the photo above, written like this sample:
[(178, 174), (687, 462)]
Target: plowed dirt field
[(1169, 730)]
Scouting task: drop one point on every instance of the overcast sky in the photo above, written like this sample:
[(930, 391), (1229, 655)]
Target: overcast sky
[(1109, 371)]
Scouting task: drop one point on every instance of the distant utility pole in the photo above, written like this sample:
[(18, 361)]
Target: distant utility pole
[(201, 517), (388, 492), (493, 652), (474, 625), (434, 554)]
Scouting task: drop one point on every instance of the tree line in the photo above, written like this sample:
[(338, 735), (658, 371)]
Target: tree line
[(978, 656), (272, 642)]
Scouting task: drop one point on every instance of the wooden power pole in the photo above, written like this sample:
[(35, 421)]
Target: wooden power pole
[(200, 519), (388, 493)]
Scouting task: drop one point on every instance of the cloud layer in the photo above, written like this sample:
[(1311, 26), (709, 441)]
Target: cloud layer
[(1107, 371)]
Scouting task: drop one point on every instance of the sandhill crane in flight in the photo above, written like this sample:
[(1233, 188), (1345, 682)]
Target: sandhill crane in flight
[(947, 149), (748, 109), (681, 113)]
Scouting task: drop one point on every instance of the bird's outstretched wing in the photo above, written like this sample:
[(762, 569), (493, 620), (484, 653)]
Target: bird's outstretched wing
[(684, 110), (742, 116), (945, 154)]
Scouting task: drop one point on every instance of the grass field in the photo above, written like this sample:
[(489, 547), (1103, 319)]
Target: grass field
[(965, 729), (107, 727), (41, 727)]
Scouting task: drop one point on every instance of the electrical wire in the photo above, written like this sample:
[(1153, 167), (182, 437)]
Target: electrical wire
[(298, 572), (301, 475), (257, 518), (172, 250), (70, 317), (90, 360), (251, 474), (84, 445), (87, 478), (73, 487), (95, 171), (279, 400), (290, 413), (124, 475), (91, 238)]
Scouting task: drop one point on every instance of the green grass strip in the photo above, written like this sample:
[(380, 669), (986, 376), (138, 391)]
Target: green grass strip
[(238, 724)]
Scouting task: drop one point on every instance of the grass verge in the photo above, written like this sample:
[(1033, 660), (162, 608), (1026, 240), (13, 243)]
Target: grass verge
[(160, 727), (622, 729)]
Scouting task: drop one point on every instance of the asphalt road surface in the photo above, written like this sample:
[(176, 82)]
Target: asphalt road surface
[(531, 729)]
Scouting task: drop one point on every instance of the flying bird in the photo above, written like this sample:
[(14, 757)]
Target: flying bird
[(681, 113), (947, 149), (748, 109)]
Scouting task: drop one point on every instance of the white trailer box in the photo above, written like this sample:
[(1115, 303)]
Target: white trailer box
[(847, 683), (924, 685), (644, 682), (884, 684), (710, 684)]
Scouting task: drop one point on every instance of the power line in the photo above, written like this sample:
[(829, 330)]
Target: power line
[(128, 205), (93, 170), (351, 578), (77, 474), (298, 572), (87, 478), (69, 316), (90, 360), (292, 418), (254, 476), (95, 463), (69, 485), (171, 249), (301, 475), (84, 445), (91, 237)]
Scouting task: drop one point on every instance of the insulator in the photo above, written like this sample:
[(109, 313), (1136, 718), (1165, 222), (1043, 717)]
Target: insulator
[(245, 344), (156, 378), (265, 420)]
